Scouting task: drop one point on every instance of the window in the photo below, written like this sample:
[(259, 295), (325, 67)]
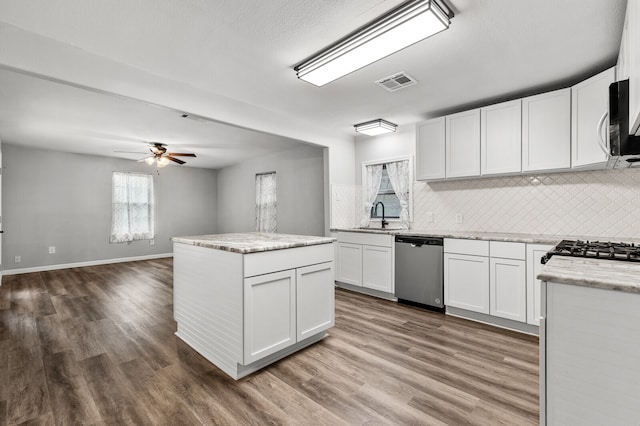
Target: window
[(389, 182), (266, 206), (131, 207), (388, 196)]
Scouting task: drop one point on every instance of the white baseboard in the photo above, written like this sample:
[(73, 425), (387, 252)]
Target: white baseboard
[(82, 264)]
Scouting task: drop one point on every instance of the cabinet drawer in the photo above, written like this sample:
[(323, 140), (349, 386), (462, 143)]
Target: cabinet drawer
[(472, 247), (507, 250), (383, 240)]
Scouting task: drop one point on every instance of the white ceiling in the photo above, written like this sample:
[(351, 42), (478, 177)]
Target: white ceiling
[(232, 61)]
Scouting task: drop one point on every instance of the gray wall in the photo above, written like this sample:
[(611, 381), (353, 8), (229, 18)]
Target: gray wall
[(59, 199), (300, 192)]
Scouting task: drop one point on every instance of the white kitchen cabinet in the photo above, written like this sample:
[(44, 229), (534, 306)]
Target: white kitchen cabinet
[(589, 102), (430, 149), (546, 131), (508, 289), (349, 263), (466, 274), (466, 282), (534, 266), (462, 137), (269, 314), (508, 280), (366, 260), (501, 138), (315, 299), (377, 268)]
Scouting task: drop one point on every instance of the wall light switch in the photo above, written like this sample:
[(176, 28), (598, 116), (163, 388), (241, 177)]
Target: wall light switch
[(17, 259), (52, 249), (459, 218)]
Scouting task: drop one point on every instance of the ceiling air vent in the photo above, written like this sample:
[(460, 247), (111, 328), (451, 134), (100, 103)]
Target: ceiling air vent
[(397, 81)]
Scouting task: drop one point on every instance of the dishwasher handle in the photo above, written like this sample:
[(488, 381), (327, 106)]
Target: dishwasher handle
[(419, 241)]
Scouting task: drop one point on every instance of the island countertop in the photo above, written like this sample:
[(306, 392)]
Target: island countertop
[(588, 272), (252, 242)]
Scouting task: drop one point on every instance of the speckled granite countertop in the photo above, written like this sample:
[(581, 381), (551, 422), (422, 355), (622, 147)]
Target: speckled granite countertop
[(598, 273), (492, 236), (252, 242), (470, 235)]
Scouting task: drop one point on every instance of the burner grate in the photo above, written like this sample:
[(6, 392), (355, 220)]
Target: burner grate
[(595, 250)]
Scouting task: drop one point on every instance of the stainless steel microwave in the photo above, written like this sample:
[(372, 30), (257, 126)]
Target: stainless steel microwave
[(623, 150)]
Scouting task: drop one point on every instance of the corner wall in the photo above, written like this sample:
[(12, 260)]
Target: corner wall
[(300, 192), (59, 199)]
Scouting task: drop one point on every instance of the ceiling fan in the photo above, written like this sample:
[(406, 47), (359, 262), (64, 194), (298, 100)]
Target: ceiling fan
[(161, 157)]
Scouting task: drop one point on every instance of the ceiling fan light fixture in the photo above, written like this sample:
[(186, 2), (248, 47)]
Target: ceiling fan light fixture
[(408, 24), (375, 127), (162, 161), (149, 160)]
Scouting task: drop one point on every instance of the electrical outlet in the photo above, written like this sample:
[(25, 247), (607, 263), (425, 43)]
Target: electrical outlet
[(459, 218), (17, 259), (429, 217), (52, 249), (152, 242)]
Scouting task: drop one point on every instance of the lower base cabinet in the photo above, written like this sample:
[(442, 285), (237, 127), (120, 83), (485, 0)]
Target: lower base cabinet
[(534, 266), (286, 307), (377, 268), (366, 260), (466, 282), (508, 289)]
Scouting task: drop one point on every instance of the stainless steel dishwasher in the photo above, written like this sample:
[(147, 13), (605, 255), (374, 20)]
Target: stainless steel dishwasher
[(419, 271)]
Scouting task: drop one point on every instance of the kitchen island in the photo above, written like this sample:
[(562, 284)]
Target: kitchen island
[(589, 342), (245, 300)]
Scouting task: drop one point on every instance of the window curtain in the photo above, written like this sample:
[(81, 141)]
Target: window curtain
[(373, 177), (398, 172), (132, 207), (266, 206)]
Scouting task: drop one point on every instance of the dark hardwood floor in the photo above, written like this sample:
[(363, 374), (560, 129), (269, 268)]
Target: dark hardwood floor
[(95, 345)]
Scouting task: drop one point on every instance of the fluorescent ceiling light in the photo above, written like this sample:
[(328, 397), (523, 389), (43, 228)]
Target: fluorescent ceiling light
[(375, 127), (413, 21)]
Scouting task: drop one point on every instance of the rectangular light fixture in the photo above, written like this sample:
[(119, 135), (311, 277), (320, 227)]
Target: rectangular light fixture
[(375, 127), (411, 22)]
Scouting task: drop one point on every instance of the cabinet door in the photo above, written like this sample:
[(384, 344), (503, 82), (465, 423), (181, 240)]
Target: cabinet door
[(589, 102), (463, 144), (534, 253), (501, 138), (466, 282), (430, 149), (349, 264), (377, 268), (508, 289), (314, 299), (269, 314), (546, 131)]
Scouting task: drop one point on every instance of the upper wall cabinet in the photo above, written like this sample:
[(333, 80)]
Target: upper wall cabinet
[(589, 103), (501, 138), (546, 131), (430, 149), (463, 144)]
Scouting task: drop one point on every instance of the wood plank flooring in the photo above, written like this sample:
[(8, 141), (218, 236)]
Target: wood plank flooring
[(96, 346)]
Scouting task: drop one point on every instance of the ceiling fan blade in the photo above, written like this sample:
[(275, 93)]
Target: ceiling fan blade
[(143, 159), (175, 160), (131, 152), (181, 154)]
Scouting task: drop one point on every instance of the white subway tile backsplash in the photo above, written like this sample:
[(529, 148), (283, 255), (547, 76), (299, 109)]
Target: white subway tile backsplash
[(605, 203), (596, 203)]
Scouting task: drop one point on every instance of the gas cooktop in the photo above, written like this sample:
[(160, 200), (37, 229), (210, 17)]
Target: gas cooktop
[(595, 250)]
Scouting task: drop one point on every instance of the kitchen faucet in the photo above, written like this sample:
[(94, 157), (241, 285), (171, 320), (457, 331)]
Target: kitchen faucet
[(375, 210)]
